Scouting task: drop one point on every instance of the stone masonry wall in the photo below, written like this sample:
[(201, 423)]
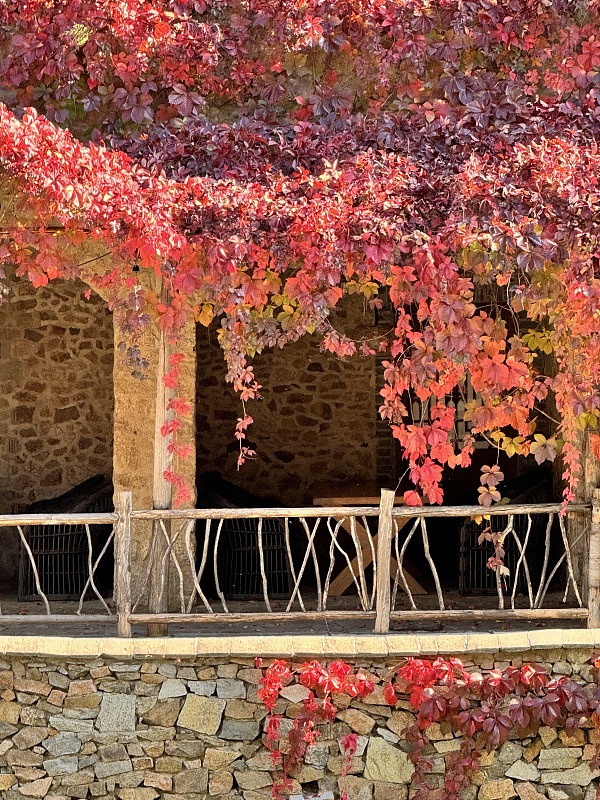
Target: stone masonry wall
[(316, 421), (56, 361), (191, 728)]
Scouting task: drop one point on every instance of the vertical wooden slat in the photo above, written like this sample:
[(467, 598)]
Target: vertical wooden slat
[(594, 564), (123, 562), (578, 527), (162, 494), (384, 555)]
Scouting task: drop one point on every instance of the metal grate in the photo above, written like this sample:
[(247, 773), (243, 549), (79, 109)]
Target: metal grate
[(238, 559), (61, 551), (474, 575), (238, 555)]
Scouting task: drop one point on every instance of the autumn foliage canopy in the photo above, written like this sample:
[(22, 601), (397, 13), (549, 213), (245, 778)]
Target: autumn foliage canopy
[(264, 158)]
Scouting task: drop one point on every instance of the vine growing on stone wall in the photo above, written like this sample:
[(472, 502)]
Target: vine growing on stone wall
[(263, 159), (288, 747), (484, 708)]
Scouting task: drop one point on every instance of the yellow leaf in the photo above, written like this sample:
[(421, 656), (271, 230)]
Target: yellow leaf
[(206, 315)]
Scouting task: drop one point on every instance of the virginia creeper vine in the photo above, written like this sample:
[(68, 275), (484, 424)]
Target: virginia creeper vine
[(263, 159), (484, 708)]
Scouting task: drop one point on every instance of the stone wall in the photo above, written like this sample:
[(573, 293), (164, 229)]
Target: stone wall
[(56, 361), (190, 729), (316, 421)]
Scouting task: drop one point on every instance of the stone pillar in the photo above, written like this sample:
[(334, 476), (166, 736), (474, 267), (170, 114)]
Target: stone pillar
[(134, 437)]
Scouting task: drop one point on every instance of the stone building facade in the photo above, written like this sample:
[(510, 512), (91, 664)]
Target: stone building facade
[(71, 409), (317, 420), (56, 409)]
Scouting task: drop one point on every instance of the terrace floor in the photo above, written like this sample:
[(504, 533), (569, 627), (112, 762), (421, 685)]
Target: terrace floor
[(308, 627)]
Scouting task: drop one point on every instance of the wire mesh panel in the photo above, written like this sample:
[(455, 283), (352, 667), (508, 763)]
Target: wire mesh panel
[(238, 563), (62, 552), (475, 577), (239, 559)]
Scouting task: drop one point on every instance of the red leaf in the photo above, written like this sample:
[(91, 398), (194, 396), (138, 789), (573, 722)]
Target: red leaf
[(390, 695)]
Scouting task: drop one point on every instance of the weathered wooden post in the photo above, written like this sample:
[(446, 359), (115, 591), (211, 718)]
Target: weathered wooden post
[(384, 555), (594, 564), (162, 495), (578, 530), (123, 505), (141, 453)]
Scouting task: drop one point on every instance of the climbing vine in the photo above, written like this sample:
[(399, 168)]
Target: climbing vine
[(484, 708), (288, 748), (264, 159)]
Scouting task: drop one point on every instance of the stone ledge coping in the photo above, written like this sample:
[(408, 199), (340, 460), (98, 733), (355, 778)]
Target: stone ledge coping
[(365, 646)]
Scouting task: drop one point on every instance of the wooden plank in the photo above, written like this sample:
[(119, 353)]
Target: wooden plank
[(492, 613), (23, 619), (436, 615), (346, 491), (356, 511), (255, 513), (259, 616), (358, 498), (479, 511), (385, 534), (123, 563), (594, 564), (12, 520)]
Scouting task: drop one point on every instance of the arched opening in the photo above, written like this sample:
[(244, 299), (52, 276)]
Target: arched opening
[(314, 428), (318, 424), (316, 421)]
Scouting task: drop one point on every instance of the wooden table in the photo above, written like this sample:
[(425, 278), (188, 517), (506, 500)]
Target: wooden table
[(329, 494)]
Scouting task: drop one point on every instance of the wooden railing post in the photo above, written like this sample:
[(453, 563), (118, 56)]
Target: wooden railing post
[(594, 564), (384, 555), (162, 491), (123, 562)]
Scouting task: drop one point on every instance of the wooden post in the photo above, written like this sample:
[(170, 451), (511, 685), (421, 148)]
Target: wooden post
[(162, 495), (384, 555), (123, 563), (578, 530), (594, 564)]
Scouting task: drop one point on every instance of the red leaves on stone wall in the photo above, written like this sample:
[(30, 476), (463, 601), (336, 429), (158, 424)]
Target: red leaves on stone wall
[(483, 708)]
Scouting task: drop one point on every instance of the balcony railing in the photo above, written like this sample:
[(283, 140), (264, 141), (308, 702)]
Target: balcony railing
[(47, 562), (300, 561)]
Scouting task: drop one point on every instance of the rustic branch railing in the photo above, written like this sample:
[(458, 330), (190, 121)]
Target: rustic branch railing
[(374, 545), (315, 540), (551, 562), (83, 524), (352, 538)]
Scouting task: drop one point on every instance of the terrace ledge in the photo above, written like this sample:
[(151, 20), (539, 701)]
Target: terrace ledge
[(328, 647)]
